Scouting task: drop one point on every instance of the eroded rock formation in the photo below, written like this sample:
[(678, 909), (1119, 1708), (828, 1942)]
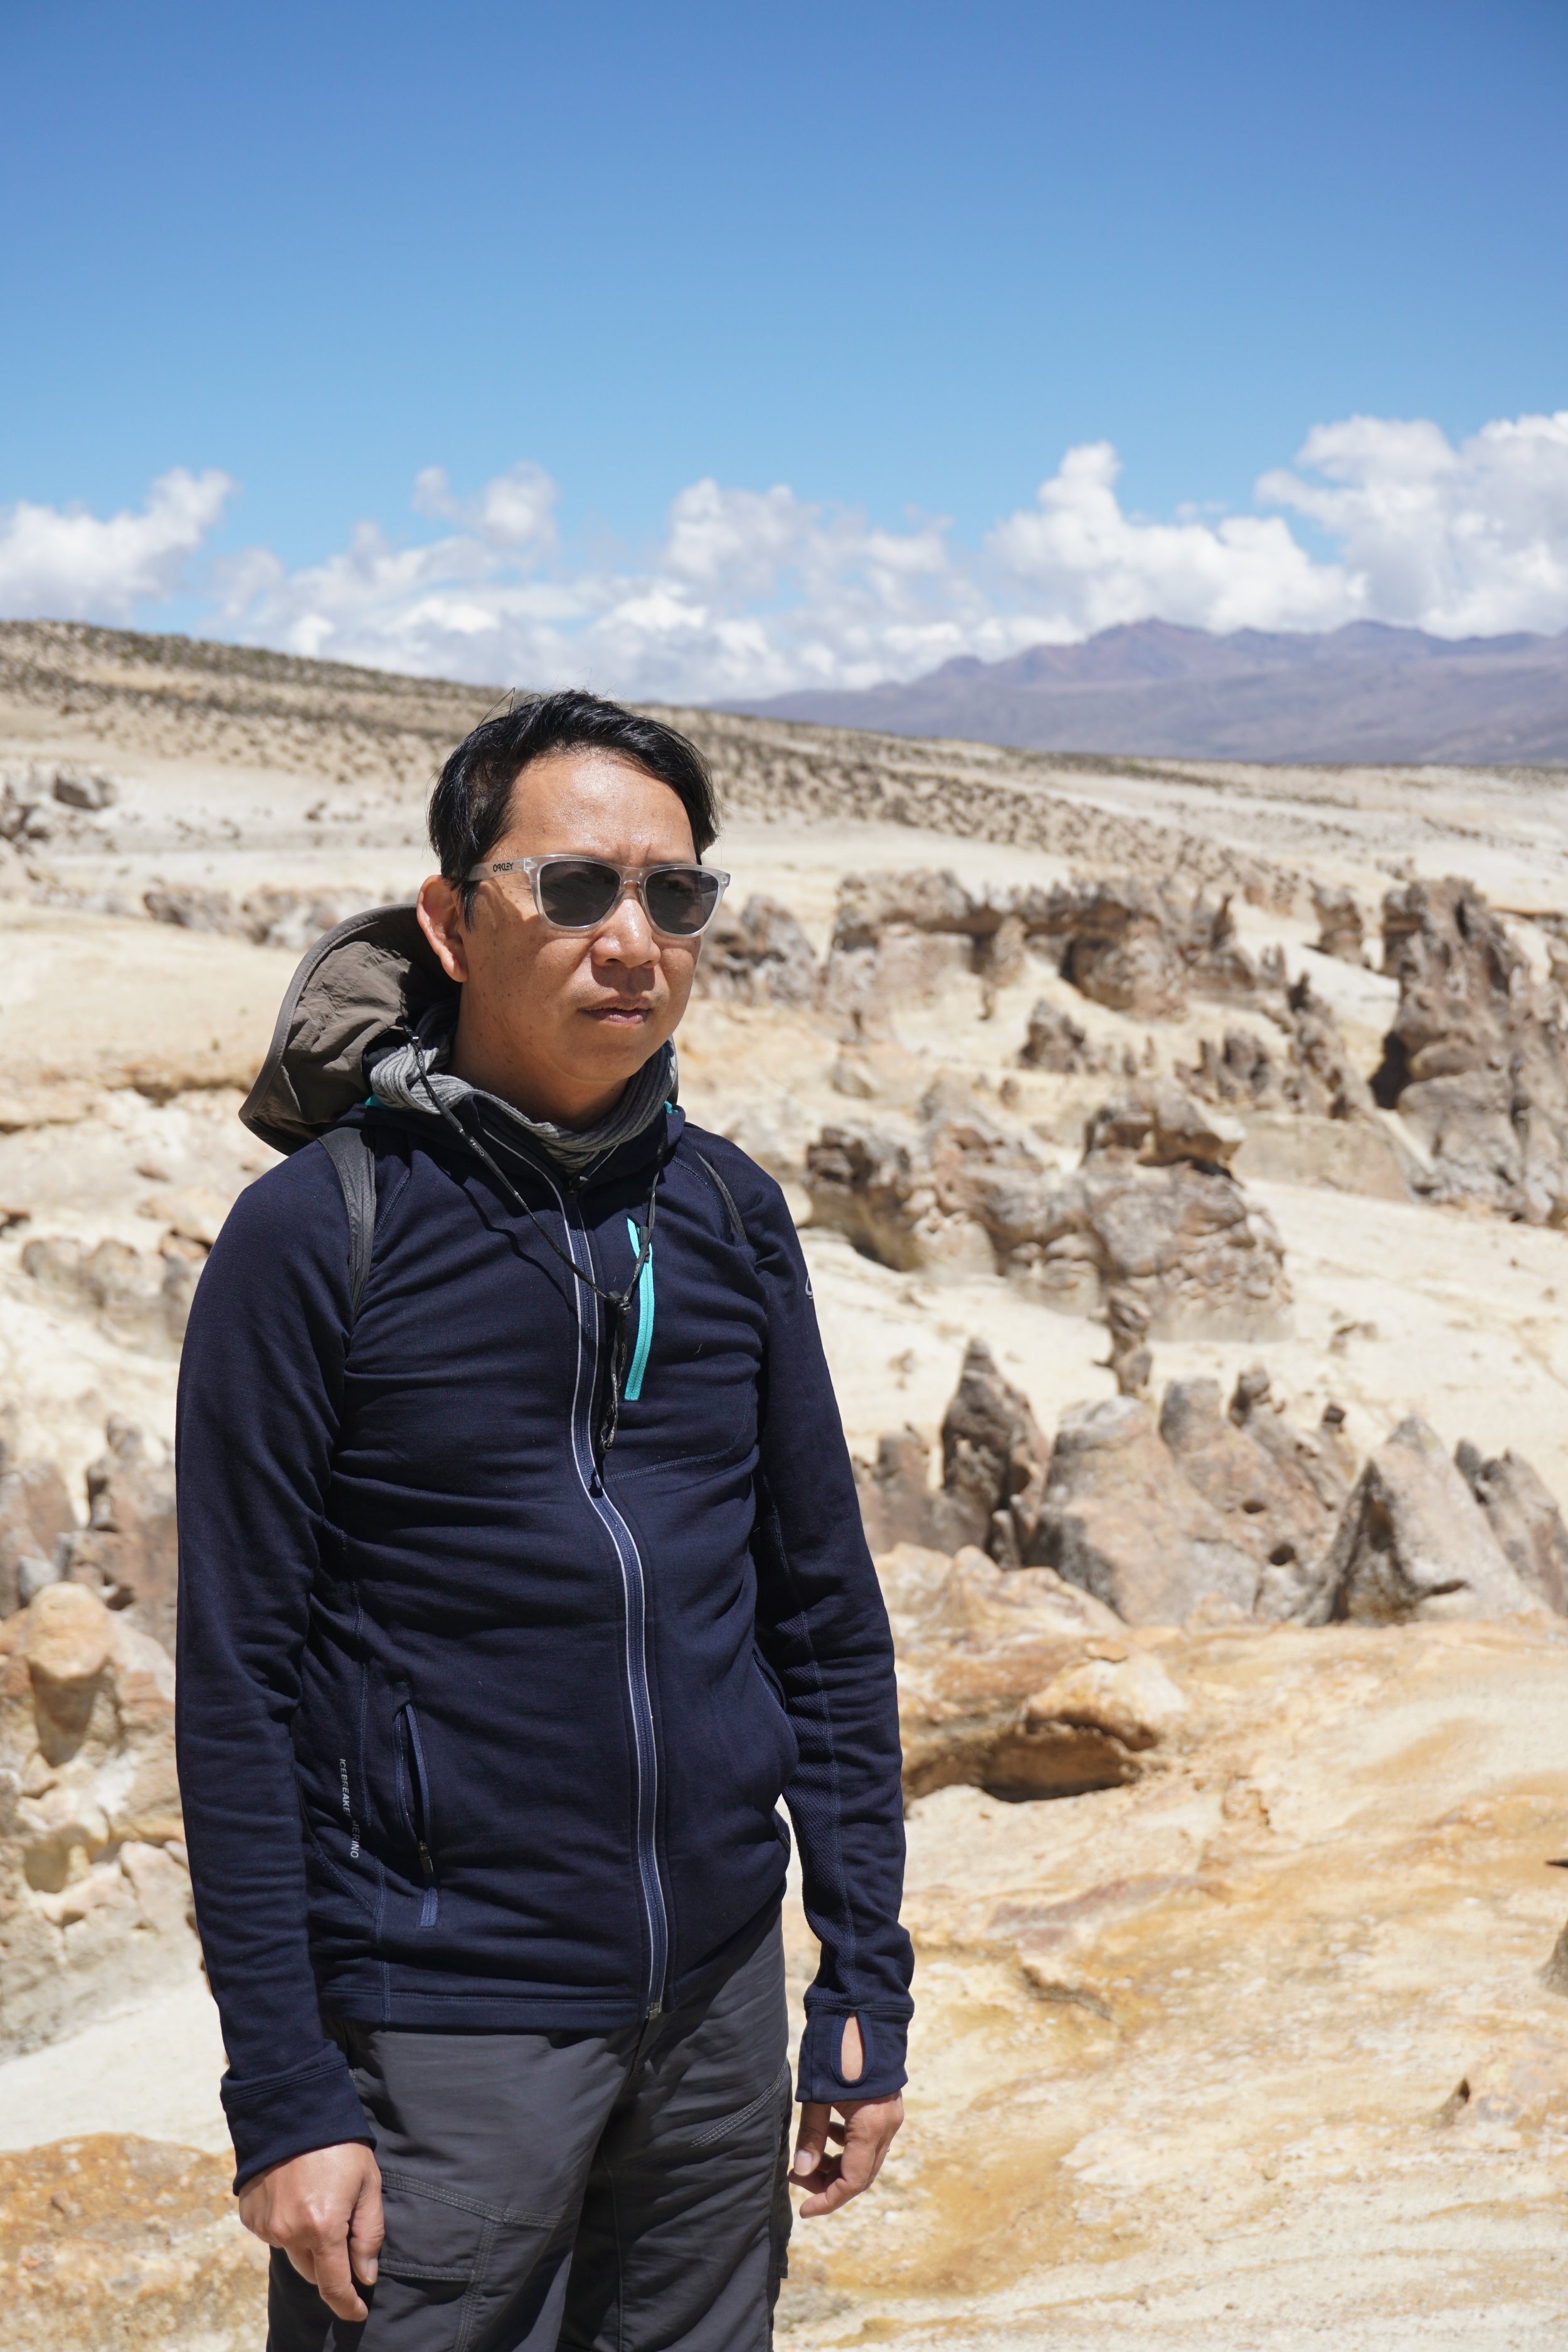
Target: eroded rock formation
[(1237, 1509), (270, 918), (127, 1553), (34, 1515), (1119, 1519), (1524, 1517), (1019, 1682), (1309, 1071), (94, 1898), (994, 1473), (1341, 927), (1477, 1060), (1128, 945), (1413, 1542), (140, 1296), (1056, 1042), (1152, 1213), (761, 956)]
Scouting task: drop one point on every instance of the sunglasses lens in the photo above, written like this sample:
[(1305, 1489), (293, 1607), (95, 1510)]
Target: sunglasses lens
[(680, 899), (577, 892)]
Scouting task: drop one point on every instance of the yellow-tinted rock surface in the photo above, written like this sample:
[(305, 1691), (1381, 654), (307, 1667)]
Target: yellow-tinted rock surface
[(1255, 2050), (113, 2245)]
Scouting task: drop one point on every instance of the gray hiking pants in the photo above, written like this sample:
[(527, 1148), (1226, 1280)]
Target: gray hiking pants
[(605, 2192)]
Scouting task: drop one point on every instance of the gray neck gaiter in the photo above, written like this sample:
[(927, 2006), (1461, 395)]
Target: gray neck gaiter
[(405, 1077)]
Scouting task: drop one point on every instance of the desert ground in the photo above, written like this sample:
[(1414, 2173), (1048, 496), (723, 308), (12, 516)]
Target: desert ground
[(1237, 1714)]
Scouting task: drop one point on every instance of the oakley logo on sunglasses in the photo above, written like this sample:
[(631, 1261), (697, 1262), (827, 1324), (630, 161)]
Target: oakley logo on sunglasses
[(578, 894)]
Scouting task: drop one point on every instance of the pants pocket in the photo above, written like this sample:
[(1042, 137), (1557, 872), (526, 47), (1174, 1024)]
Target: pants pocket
[(453, 2269)]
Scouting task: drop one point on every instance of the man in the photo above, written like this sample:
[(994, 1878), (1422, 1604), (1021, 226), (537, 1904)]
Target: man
[(521, 1575)]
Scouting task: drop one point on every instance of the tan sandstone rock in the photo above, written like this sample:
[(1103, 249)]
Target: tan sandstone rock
[(1188, 2053), (129, 1551), (111, 2245), (1412, 1542), (760, 956), (1477, 1058), (1017, 1682), (1152, 1213), (1524, 1517), (1120, 1520), (94, 1895), (34, 1513)]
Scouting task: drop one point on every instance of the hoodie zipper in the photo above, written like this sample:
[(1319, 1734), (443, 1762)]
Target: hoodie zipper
[(419, 1792), (634, 1589)]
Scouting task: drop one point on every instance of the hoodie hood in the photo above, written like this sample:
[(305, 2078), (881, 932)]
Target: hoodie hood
[(367, 983)]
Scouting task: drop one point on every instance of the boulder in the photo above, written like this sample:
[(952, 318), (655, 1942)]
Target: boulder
[(127, 1553), (94, 1894), (1327, 1460), (759, 957), (1413, 1543), (1056, 1042), (1341, 927), (90, 788), (111, 2243), (994, 1473), (1306, 1070), (993, 1462), (1477, 1060), (34, 1515), (1119, 1519), (1019, 1683), (1266, 1502), (137, 1296), (1120, 951), (1523, 1516)]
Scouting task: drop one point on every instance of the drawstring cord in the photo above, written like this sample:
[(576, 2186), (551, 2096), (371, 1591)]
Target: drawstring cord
[(618, 1302)]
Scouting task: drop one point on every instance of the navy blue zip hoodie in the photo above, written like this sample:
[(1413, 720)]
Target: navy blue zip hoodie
[(478, 1725)]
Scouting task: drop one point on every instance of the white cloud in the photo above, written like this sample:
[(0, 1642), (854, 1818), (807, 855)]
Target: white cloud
[(1084, 564), (1471, 541), (750, 592), (73, 566)]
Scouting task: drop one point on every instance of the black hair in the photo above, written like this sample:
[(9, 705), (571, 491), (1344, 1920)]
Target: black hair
[(471, 804)]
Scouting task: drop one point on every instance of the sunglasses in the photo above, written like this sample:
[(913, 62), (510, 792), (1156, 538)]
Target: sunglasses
[(578, 894)]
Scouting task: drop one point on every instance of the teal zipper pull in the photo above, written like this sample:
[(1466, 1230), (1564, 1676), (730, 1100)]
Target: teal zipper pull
[(645, 1315)]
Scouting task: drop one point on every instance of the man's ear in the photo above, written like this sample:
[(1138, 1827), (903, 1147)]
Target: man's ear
[(440, 911)]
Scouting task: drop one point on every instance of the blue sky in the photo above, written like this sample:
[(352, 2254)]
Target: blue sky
[(896, 260)]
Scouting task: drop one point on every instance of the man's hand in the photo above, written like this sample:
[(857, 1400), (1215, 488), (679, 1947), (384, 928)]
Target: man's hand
[(324, 2209), (834, 2175)]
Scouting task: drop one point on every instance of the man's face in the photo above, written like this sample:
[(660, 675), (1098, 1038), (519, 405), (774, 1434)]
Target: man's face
[(581, 1012)]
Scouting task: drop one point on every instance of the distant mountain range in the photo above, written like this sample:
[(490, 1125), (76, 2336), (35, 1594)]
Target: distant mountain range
[(1365, 693)]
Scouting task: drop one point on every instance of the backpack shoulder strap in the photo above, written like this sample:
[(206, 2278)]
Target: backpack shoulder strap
[(732, 1214), (349, 1150)]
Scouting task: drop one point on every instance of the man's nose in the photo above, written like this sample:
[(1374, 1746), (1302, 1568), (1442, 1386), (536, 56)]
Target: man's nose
[(626, 936)]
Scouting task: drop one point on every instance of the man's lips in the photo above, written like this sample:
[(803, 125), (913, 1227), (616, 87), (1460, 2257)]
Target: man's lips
[(620, 1016)]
